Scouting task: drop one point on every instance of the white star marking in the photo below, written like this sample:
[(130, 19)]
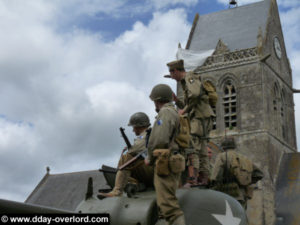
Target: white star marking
[(228, 218)]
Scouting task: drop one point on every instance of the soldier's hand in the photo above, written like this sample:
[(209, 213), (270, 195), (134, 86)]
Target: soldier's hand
[(175, 99), (181, 111), (124, 149), (146, 162)]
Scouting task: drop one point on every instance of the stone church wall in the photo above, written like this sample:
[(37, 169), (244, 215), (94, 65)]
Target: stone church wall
[(279, 108), (280, 66), (258, 134)]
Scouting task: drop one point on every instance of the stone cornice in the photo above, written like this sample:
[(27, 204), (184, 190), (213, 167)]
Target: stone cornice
[(238, 57), (256, 132)]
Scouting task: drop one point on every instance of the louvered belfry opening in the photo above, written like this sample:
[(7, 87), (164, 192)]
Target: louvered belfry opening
[(230, 106)]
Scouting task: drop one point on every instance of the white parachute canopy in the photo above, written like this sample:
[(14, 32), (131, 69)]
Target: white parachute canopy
[(193, 59)]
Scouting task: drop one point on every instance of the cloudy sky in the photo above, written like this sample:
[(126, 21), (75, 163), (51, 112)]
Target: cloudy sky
[(73, 71)]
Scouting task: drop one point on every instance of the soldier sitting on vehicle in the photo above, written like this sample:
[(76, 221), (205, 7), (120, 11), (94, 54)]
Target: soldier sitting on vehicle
[(137, 170), (233, 173)]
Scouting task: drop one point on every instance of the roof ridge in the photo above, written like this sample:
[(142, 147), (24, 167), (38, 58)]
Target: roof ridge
[(74, 172), (38, 186), (242, 34)]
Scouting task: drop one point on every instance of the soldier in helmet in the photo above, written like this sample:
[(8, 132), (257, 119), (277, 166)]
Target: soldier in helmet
[(198, 98), (137, 170), (233, 173), (164, 154)]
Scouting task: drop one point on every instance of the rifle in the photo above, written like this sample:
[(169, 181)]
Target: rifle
[(142, 154), (125, 138)]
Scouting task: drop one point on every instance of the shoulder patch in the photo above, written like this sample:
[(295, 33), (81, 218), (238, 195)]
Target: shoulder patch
[(191, 80), (159, 122), (140, 137)]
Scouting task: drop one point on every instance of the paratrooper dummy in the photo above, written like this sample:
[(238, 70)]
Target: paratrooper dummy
[(233, 173)]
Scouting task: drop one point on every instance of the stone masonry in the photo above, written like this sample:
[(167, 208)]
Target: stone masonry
[(255, 105)]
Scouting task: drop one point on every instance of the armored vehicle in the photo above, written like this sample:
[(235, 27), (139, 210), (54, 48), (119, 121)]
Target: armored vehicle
[(138, 205)]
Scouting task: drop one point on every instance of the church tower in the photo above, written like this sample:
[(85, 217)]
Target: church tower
[(252, 75)]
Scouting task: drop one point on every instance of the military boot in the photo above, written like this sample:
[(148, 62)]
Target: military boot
[(179, 221), (192, 179), (120, 182)]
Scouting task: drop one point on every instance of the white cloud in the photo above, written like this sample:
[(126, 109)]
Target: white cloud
[(161, 4), (291, 29), (72, 90), (289, 3), (107, 96), (70, 10), (15, 135)]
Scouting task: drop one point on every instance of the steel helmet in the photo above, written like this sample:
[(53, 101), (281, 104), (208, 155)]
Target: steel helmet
[(161, 92), (139, 119)]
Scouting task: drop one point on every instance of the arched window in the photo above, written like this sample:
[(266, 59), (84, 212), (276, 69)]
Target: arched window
[(282, 103), (275, 97), (283, 116), (230, 106), (214, 120), (277, 109)]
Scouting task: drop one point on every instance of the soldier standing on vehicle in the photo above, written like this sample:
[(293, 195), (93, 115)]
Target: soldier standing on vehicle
[(137, 170), (198, 98), (164, 154), (233, 173)]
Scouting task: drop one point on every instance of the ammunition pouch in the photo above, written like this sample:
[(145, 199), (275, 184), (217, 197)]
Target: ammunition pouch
[(211, 92), (196, 127), (201, 127), (242, 170), (177, 163), (183, 138), (162, 161)]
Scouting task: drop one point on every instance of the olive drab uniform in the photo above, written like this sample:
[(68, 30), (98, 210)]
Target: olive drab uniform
[(197, 105), (136, 172), (233, 174), (168, 163)]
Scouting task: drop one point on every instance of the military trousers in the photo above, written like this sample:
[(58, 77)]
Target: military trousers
[(165, 187), (139, 171), (200, 128), (242, 198)]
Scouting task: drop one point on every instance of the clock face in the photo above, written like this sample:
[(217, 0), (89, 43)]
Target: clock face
[(277, 47)]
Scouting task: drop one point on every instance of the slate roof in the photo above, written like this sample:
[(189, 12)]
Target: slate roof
[(237, 27), (66, 190)]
